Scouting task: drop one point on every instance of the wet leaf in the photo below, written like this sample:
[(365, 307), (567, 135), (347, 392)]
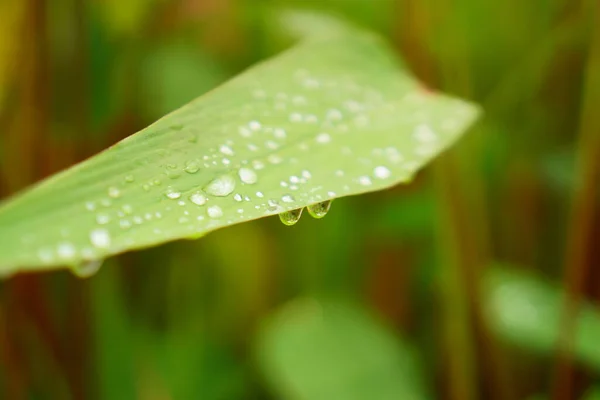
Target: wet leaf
[(329, 118)]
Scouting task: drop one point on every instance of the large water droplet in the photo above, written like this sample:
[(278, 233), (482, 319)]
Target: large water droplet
[(221, 186), (319, 210), (87, 268), (248, 176), (290, 217)]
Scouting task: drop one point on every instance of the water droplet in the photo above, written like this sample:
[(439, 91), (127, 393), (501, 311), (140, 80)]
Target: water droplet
[(323, 138), (319, 210), (260, 194), (90, 206), (102, 219), (87, 268), (288, 198), (258, 164), (247, 176), (125, 224), (172, 193), (192, 166), (221, 186), (279, 133), (198, 199), (424, 134), (238, 197), (129, 178), (114, 192), (382, 172), (214, 212), (100, 238), (65, 250), (364, 180), (226, 150), (290, 217), (254, 125)]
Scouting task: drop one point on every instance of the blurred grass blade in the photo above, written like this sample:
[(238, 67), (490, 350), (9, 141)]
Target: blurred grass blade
[(314, 350), (526, 311), (331, 117)]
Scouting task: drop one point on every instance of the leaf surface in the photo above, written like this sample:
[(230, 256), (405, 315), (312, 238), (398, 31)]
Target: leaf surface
[(331, 117)]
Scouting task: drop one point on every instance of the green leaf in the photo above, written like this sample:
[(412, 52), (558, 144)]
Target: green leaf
[(330, 350), (331, 117), (526, 311)]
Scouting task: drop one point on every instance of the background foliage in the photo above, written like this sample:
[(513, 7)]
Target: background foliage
[(464, 284)]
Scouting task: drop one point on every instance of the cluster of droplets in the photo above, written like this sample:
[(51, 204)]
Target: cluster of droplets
[(350, 105), (317, 210)]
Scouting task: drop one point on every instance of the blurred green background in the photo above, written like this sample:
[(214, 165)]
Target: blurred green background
[(479, 280)]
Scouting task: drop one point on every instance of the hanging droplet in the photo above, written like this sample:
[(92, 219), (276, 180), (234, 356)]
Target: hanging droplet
[(87, 268), (319, 210), (289, 218)]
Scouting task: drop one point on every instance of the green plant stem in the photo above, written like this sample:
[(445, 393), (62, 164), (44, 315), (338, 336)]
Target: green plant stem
[(583, 211)]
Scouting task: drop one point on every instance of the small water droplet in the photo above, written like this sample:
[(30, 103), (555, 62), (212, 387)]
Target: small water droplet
[(221, 186), (87, 268), (90, 206), (129, 178), (114, 192), (192, 166), (319, 210), (247, 176), (65, 250), (288, 198), (198, 199), (214, 212), (364, 180), (424, 134), (382, 172), (102, 219), (100, 238), (254, 125), (289, 218), (172, 193), (323, 138), (238, 197), (172, 171), (226, 150), (279, 133)]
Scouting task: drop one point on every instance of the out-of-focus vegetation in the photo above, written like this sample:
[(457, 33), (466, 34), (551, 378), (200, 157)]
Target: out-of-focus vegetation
[(477, 280)]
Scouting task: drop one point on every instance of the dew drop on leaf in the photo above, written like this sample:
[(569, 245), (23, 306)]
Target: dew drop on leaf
[(87, 268), (221, 186), (198, 199), (247, 176), (289, 218), (172, 193), (319, 210)]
